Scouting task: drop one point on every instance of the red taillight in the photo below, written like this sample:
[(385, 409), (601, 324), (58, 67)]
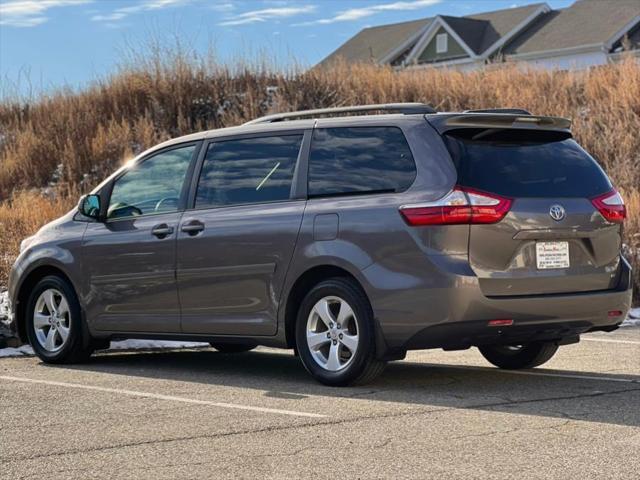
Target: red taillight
[(503, 322), (611, 206), (462, 205)]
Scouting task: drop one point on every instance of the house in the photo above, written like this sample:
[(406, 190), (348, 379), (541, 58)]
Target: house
[(587, 33)]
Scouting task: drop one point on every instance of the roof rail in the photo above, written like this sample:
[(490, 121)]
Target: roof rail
[(405, 108), (514, 111)]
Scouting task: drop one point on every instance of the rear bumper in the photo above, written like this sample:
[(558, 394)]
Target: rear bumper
[(462, 335), (457, 317)]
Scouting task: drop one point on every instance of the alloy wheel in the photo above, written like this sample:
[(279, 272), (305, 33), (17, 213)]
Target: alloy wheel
[(332, 333), (52, 320)]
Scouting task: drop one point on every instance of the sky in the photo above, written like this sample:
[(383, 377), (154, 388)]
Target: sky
[(49, 44)]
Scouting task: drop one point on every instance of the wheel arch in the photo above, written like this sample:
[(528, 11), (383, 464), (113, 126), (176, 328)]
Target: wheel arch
[(302, 285), (24, 290)]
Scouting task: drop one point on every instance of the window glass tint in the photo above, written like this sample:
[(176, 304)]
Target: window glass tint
[(550, 167), (359, 160), (153, 186), (252, 170)]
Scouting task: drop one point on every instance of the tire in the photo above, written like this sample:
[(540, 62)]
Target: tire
[(233, 347), (47, 339), (529, 355), (330, 360)]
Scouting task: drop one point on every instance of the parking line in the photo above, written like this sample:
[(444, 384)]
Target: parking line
[(157, 396), (608, 340)]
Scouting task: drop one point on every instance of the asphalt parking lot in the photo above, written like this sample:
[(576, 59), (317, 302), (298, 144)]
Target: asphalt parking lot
[(202, 414)]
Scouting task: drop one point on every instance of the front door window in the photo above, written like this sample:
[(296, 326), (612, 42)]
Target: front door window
[(153, 186)]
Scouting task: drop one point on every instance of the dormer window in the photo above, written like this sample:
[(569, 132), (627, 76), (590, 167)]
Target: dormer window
[(442, 43)]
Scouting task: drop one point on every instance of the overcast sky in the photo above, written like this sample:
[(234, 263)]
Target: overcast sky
[(46, 44)]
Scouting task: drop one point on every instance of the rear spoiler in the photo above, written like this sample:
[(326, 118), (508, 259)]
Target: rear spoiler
[(444, 122)]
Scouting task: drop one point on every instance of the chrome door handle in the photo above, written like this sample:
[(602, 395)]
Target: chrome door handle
[(193, 227), (162, 230)]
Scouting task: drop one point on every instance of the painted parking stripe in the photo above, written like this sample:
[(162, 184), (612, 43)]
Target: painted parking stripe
[(157, 396), (608, 340), (533, 374)]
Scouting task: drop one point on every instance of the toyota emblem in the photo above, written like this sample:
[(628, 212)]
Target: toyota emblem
[(557, 212)]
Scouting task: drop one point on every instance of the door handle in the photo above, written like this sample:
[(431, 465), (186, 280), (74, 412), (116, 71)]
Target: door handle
[(162, 230), (193, 227)]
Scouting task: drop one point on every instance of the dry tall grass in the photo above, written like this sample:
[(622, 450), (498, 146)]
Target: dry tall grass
[(75, 138)]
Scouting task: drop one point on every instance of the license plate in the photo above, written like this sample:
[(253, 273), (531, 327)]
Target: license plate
[(552, 255)]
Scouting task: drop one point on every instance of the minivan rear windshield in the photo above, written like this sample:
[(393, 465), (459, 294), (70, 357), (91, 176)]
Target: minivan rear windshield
[(530, 165)]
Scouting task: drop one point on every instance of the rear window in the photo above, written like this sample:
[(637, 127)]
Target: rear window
[(359, 160), (524, 165)]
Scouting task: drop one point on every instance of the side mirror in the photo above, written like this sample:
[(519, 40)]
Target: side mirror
[(89, 206)]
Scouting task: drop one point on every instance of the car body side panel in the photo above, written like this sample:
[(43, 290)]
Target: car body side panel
[(129, 275), (230, 276)]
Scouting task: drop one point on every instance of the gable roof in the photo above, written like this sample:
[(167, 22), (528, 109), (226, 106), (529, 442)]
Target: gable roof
[(478, 31), (586, 22), (502, 22), (375, 43), (477, 34), (469, 30)]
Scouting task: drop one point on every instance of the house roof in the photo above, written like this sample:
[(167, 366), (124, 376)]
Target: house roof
[(586, 22), (478, 31), (469, 30), (501, 22), (375, 43)]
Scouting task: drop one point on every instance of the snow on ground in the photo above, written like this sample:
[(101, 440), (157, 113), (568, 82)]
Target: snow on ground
[(4, 307), (633, 319), (122, 345), (152, 344), (16, 352)]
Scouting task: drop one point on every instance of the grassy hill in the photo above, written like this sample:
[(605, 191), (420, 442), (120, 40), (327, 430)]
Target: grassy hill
[(55, 147)]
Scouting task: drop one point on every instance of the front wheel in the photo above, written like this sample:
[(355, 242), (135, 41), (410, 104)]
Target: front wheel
[(514, 357), (54, 323), (335, 334)]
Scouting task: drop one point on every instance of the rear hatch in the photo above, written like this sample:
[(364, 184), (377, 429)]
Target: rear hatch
[(562, 231)]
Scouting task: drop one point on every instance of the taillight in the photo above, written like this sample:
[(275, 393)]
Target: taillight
[(462, 205), (611, 206)]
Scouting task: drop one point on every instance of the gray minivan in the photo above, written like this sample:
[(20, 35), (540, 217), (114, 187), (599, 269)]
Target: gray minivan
[(348, 238)]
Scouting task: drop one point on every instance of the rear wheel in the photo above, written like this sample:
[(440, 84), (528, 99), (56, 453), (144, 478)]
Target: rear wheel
[(513, 357), (233, 347), (335, 334), (54, 323)]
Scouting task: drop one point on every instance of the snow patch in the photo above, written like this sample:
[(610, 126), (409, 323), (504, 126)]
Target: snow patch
[(633, 319), (152, 344), (26, 350), (4, 306), (22, 351)]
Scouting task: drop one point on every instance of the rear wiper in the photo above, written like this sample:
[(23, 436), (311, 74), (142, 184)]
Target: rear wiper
[(485, 133)]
